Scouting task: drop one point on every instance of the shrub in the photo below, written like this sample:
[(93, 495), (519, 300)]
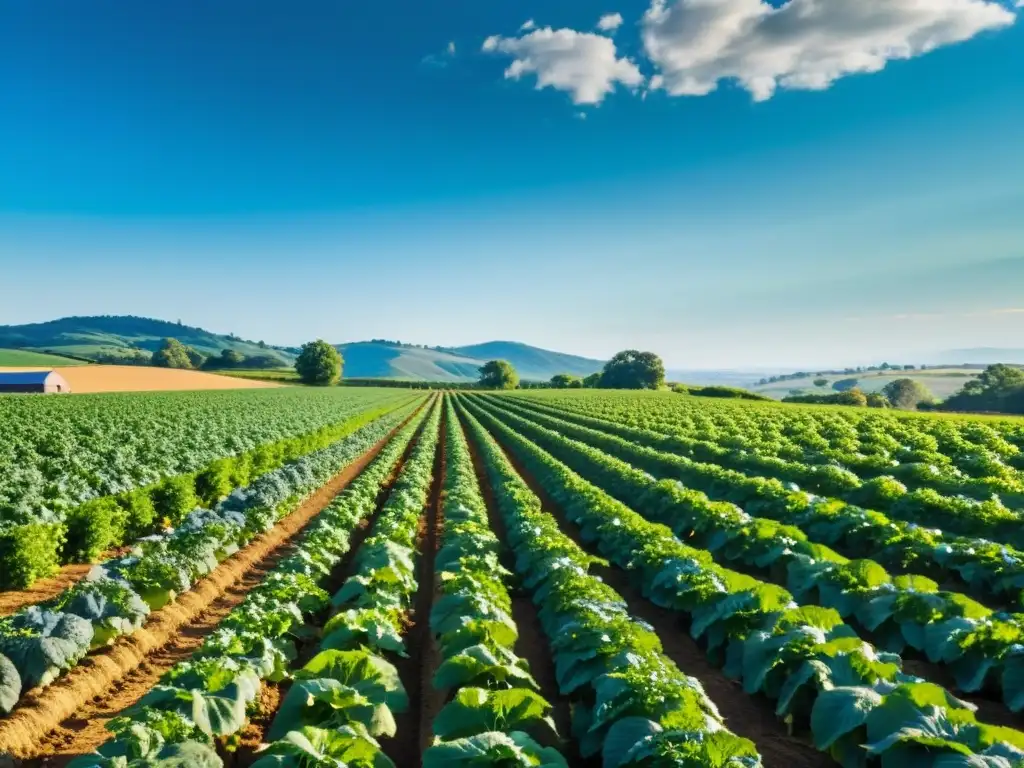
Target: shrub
[(29, 552), (214, 482), (140, 511), (93, 528), (175, 497)]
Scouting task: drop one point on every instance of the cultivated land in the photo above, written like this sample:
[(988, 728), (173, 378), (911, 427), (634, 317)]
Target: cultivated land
[(549, 578), (942, 382), (86, 379), (23, 358)]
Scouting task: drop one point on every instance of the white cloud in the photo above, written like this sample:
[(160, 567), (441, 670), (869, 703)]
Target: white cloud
[(451, 48), (612, 21), (804, 44), (583, 64), (529, 25)]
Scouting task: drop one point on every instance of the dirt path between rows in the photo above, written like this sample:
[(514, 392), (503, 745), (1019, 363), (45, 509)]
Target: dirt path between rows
[(532, 644), (413, 733), (251, 738), (752, 717), (68, 717), (991, 708)]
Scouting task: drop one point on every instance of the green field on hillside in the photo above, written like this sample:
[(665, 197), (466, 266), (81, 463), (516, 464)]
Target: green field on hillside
[(23, 358), (942, 382)]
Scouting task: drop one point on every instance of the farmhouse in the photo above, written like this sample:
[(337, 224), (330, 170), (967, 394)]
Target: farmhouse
[(33, 381)]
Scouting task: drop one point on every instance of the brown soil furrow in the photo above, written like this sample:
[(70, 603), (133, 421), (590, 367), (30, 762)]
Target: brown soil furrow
[(752, 717), (251, 738), (533, 643), (76, 707), (46, 589), (413, 733)]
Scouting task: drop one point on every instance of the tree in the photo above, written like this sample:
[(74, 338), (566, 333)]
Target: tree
[(319, 364), (844, 385), (853, 397), (195, 357), (878, 400), (821, 382), (633, 370), (906, 393), (230, 358), (498, 374), (566, 381), (172, 354), (593, 381)]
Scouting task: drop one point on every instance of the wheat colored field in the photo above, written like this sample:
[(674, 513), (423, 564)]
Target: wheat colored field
[(129, 378)]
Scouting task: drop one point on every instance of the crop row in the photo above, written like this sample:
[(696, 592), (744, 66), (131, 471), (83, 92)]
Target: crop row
[(983, 649), (78, 479), (203, 702), (985, 566), (347, 696), (40, 642), (966, 506), (856, 701), (835, 450), (632, 705), (494, 709)]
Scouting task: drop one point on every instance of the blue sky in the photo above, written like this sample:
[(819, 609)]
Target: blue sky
[(350, 170)]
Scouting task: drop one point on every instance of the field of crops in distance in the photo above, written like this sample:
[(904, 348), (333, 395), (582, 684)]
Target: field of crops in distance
[(562, 579)]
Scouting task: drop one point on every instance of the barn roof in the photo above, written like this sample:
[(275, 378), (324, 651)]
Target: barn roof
[(26, 377)]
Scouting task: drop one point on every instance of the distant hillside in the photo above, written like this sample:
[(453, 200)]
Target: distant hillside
[(107, 336), (95, 337), (377, 359), (980, 356), (531, 362), (20, 358)]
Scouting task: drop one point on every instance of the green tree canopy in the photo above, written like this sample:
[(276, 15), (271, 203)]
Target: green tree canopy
[(319, 364), (172, 354), (844, 385), (566, 381), (593, 381), (821, 382), (498, 374), (632, 369), (907, 393)]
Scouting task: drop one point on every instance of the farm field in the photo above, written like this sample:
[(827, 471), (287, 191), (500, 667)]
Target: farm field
[(23, 358), (538, 578), (90, 379), (941, 382)]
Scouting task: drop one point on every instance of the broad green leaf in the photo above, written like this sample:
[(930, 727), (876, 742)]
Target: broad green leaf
[(840, 711), (478, 710)]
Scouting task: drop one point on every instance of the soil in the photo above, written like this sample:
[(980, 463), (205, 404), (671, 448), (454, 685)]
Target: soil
[(752, 717), (991, 709), (271, 695), (47, 589), (413, 734), (251, 737), (85, 379), (68, 717), (532, 644)]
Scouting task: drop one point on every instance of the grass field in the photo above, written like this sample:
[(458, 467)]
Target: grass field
[(23, 358), (280, 375), (942, 382)]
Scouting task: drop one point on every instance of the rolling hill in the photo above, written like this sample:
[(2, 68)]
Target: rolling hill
[(110, 336), (376, 359), (120, 335), (532, 363)]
